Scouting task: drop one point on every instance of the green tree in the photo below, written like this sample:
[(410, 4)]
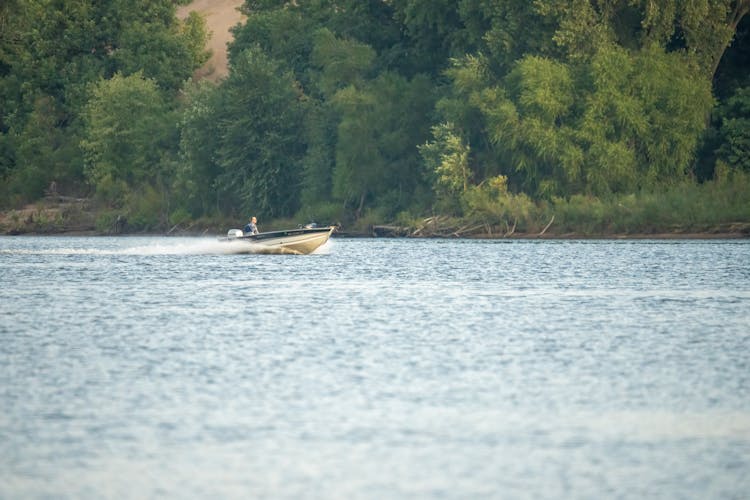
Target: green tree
[(284, 25), (261, 127), (706, 27), (516, 29), (461, 104), (376, 154), (701, 29), (159, 46), (734, 131), (320, 157), (200, 138), (341, 63), (614, 123), (130, 133), (285, 35), (52, 51), (447, 161), (44, 153), (434, 31), (358, 160)]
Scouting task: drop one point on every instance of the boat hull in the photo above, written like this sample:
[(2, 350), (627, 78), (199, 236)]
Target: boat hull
[(291, 241)]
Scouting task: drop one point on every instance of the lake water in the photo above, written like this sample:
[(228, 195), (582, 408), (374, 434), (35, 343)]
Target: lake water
[(165, 367)]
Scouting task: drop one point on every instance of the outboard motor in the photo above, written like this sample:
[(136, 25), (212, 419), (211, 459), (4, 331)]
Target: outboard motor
[(235, 233)]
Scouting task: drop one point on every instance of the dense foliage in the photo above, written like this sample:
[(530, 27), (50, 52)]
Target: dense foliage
[(344, 110)]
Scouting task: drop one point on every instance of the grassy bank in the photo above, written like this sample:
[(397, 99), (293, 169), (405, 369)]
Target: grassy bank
[(720, 207), (717, 208)]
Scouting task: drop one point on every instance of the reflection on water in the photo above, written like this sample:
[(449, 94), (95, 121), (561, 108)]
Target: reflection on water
[(142, 367)]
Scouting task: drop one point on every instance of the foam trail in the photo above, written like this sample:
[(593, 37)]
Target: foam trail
[(165, 246), (155, 246), (57, 251), (202, 246)]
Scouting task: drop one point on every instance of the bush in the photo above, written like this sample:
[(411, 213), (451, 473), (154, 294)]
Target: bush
[(145, 210), (112, 192), (371, 217), (179, 216), (106, 222), (323, 213), (491, 203)]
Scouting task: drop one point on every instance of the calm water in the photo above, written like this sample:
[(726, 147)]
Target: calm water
[(163, 367)]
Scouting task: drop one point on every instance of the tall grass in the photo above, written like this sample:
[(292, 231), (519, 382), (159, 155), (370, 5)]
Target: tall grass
[(715, 206), (685, 207)]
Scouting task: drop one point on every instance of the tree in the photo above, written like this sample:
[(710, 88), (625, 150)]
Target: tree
[(159, 46), (200, 138), (359, 162), (734, 131), (261, 123), (447, 161), (614, 123), (319, 162), (434, 31), (460, 105), (51, 54), (706, 27), (701, 29), (129, 130), (44, 152), (376, 154), (341, 63), (285, 35), (530, 121)]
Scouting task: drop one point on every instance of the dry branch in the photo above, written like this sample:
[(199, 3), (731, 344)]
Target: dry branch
[(548, 225)]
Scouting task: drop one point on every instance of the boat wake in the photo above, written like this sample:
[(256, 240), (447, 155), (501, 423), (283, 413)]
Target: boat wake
[(163, 246), (201, 246)]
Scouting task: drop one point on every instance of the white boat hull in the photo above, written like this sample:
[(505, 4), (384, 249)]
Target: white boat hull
[(292, 241)]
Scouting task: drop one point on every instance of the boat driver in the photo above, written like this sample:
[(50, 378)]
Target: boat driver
[(251, 227)]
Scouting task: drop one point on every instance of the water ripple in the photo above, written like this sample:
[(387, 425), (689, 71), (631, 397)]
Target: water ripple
[(149, 367)]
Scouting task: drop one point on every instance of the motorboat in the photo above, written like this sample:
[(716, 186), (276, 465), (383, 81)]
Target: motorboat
[(299, 241)]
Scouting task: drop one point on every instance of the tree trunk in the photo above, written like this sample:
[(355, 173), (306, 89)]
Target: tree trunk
[(741, 8), (358, 213)]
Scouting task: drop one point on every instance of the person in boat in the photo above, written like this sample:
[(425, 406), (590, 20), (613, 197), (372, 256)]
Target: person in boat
[(251, 227)]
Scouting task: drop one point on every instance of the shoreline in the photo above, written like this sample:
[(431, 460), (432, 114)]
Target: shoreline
[(736, 235), (60, 216)]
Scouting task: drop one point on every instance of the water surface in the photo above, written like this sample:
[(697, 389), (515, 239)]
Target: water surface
[(149, 367)]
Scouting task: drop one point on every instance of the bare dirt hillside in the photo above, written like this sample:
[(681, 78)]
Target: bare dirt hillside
[(220, 15)]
